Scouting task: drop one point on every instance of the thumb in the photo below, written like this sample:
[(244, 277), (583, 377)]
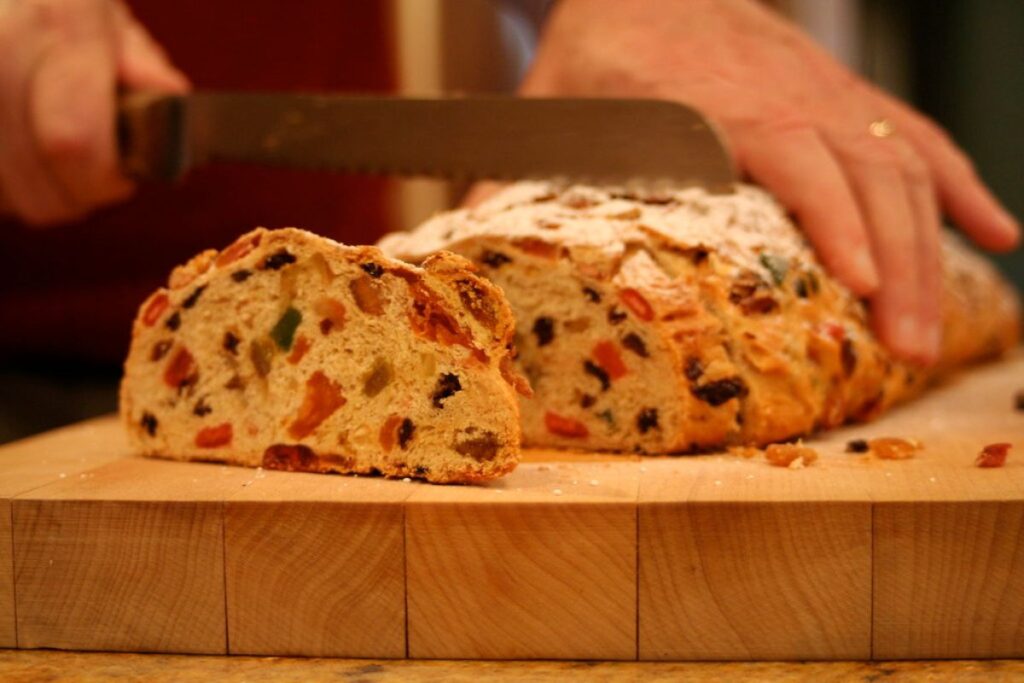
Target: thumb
[(141, 63)]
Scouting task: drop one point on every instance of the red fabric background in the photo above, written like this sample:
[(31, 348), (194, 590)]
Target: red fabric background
[(71, 291)]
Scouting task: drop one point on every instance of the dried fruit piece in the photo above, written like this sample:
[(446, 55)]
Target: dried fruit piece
[(193, 297), (647, 419), (149, 423), (481, 448), (447, 385), (214, 437), (749, 293), (993, 455), (848, 355), (635, 302), (694, 369), (592, 294), (777, 266), (290, 458), (322, 398), (1018, 400), (378, 377), (857, 446), (237, 250), (366, 296), (333, 313), (431, 320), (494, 259), (278, 260), (587, 401), (302, 345), (261, 354), (786, 454), (160, 349), (718, 392), (241, 275), (597, 371), (154, 309), (477, 302), (374, 270), (565, 426), (607, 355), (405, 433), (388, 432), (635, 343), (181, 371), (537, 247), (283, 332), (544, 330), (201, 409), (894, 448), (577, 325), (173, 321), (230, 343), (615, 316)]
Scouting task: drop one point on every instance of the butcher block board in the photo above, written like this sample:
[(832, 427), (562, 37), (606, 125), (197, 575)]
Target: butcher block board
[(572, 556)]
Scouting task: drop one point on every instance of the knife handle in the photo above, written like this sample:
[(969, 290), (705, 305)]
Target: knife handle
[(151, 135)]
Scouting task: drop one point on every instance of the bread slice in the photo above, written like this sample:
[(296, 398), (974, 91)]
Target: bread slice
[(290, 351), (687, 320)]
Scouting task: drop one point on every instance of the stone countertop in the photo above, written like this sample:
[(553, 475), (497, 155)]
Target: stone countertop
[(55, 666)]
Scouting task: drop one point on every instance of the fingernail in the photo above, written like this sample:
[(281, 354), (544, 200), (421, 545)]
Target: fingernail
[(864, 268)]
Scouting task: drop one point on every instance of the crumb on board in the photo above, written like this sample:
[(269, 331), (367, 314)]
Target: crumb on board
[(790, 455), (993, 455), (857, 446), (745, 451), (894, 448)]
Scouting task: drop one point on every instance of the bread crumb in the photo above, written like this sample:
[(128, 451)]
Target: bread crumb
[(557, 492), (786, 454), (894, 448)]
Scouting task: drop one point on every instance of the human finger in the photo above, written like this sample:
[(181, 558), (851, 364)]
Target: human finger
[(928, 234), (142, 64), (810, 183)]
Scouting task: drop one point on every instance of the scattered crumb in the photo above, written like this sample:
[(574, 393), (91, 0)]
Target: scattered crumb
[(932, 479), (642, 468), (745, 451), (993, 455), (750, 476), (557, 492), (575, 482), (63, 475), (894, 448), (857, 446), (718, 482), (594, 482), (407, 480), (785, 454)]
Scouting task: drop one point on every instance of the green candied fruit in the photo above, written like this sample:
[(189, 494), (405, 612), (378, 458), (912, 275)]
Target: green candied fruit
[(283, 333), (777, 266)]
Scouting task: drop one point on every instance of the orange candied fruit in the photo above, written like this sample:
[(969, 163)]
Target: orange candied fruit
[(636, 302), (154, 309), (214, 437), (565, 426)]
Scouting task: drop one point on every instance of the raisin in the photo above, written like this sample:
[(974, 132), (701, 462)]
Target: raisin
[(201, 408), (279, 259), (193, 297), (231, 343), (544, 330), (635, 302), (857, 446), (494, 259), (174, 321), (325, 326), (260, 353), (283, 332), (800, 287), (1018, 400), (647, 419), (564, 426), (214, 437), (592, 368), (718, 392), (290, 458), (366, 296), (849, 356), (694, 369), (379, 377), (235, 383), (587, 401), (592, 294), (241, 275), (322, 398), (634, 343), (160, 349), (149, 423), (374, 270), (698, 256), (421, 470), (993, 455), (476, 301), (154, 309), (405, 432), (607, 355), (447, 385), (615, 316), (480, 448)]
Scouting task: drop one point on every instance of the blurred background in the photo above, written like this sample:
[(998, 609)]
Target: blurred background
[(69, 293)]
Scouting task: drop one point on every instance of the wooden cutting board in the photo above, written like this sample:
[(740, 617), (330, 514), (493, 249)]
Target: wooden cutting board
[(574, 555)]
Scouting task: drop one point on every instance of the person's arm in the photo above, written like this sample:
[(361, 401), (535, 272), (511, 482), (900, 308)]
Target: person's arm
[(61, 62), (865, 175)]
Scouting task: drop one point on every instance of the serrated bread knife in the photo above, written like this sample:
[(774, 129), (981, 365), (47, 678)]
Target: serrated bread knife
[(601, 141)]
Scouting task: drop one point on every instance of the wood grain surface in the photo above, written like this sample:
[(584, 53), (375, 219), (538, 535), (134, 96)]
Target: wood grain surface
[(572, 556)]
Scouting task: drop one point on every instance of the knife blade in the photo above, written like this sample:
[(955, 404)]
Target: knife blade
[(604, 141)]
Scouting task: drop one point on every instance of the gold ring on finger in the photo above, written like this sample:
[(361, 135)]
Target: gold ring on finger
[(882, 128)]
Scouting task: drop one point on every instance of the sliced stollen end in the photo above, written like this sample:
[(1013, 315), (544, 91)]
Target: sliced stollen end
[(290, 351), (687, 320)]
